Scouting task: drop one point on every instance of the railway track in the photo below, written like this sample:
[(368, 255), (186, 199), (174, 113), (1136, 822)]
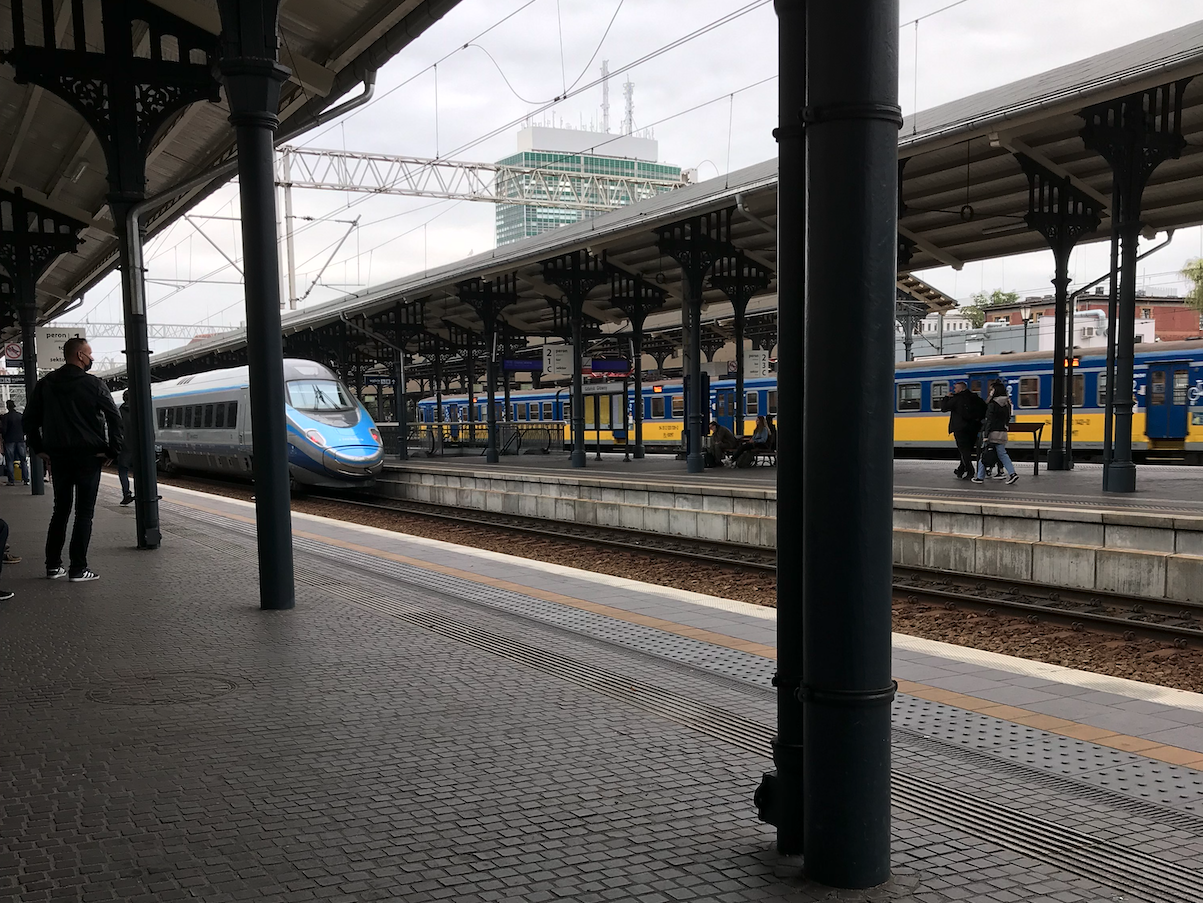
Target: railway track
[(1180, 623)]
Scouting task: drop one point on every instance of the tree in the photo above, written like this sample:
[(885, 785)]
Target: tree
[(975, 310), (1194, 272)]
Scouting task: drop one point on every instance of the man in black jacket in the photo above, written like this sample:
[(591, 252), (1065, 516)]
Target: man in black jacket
[(65, 423), (966, 410)]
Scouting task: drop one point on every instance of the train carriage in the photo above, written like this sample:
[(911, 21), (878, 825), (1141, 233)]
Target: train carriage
[(1167, 421), (203, 423)]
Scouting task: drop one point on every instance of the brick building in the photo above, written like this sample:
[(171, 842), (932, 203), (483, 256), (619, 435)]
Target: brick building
[(1174, 320)]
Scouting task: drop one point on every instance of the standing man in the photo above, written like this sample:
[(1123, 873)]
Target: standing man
[(14, 443), (125, 460), (966, 411), (66, 423)]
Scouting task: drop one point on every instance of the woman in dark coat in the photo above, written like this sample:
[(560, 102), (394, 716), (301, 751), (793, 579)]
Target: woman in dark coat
[(998, 417)]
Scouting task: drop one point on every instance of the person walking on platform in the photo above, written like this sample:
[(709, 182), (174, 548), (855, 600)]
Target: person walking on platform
[(965, 412), (13, 433), (125, 460), (998, 416), (72, 422), (5, 594)]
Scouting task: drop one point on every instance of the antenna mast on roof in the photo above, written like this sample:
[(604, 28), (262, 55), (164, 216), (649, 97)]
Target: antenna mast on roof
[(606, 96), (628, 93)]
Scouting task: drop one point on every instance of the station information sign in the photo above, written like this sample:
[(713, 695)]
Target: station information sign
[(557, 360), (49, 346)]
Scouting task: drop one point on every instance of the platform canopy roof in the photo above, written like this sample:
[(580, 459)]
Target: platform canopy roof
[(956, 154), (48, 151)]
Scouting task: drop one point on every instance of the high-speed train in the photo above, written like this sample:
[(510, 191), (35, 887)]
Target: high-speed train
[(1167, 417), (203, 422)]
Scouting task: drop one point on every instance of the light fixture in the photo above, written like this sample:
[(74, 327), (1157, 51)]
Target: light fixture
[(79, 171), (1025, 312)]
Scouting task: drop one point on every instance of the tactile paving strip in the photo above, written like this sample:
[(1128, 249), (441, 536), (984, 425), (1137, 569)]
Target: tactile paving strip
[(1035, 752)]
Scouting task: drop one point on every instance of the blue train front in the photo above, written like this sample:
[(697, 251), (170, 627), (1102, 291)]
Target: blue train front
[(203, 423)]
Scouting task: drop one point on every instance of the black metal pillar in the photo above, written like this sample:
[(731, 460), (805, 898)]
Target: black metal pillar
[(31, 238), (1062, 214), (1112, 308), (503, 351), (636, 298), (851, 119), (438, 384), (399, 404), (696, 244), (780, 798), (487, 297), (126, 98), (470, 372), (252, 79), (739, 279), (491, 455), (1134, 134), (576, 317), (576, 274)]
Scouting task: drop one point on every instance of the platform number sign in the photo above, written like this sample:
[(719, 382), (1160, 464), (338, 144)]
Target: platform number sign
[(12, 351)]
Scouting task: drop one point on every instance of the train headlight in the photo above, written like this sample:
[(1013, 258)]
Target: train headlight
[(316, 438), (376, 435)]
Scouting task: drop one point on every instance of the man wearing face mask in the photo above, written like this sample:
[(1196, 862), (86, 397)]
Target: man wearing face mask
[(72, 424)]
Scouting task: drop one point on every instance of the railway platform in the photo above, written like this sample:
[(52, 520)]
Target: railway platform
[(436, 722)]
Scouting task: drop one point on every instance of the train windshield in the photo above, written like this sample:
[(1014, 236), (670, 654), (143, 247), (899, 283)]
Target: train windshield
[(318, 395)]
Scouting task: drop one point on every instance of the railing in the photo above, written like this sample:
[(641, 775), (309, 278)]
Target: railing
[(462, 438)]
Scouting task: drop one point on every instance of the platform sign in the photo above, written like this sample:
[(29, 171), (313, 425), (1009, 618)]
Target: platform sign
[(524, 365), (557, 360), (12, 351), (617, 367), (756, 363), (12, 379), (50, 345)]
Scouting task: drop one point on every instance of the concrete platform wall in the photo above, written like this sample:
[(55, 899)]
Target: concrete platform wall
[(1132, 553), (744, 516), (1124, 552)]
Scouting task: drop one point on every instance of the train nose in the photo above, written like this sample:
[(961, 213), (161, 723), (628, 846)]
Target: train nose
[(353, 460)]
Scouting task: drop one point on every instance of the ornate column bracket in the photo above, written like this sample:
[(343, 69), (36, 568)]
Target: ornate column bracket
[(488, 297), (1135, 134), (31, 237), (128, 90), (908, 314)]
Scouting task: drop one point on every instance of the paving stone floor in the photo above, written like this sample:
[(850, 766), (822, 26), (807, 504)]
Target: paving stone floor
[(164, 740)]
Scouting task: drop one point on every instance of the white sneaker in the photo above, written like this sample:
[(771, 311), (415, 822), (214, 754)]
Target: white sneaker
[(55, 573), (84, 577)]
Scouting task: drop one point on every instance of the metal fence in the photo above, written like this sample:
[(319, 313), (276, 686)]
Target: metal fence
[(461, 438)]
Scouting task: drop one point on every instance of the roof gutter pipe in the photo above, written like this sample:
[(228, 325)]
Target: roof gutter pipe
[(751, 217)]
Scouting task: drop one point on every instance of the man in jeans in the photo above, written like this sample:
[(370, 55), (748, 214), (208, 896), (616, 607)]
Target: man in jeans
[(65, 423), (14, 443)]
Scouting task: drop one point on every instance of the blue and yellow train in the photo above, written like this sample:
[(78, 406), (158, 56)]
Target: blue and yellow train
[(1168, 417)]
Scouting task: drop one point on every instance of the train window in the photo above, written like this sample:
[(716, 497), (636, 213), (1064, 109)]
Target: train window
[(938, 390), (1101, 391), (520, 411), (1029, 391), (679, 405), (499, 407), (208, 424), (752, 403), (723, 404), (179, 418), (658, 406), (567, 408), (1181, 386), (1079, 389), (232, 415), (975, 386), (161, 415), (219, 417), (772, 401), (188, 417), (548, 411), (317, 395), (1157, 387), (909, 396)]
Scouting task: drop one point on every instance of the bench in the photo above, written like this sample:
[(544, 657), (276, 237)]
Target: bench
[(764, 456), (1035, 429)]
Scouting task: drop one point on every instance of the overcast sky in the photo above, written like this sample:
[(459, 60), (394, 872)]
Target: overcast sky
[(976, 45)]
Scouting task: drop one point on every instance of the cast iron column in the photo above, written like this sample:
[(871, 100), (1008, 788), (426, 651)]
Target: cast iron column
[(695, 244), (252, 80), (739, 279), (781, 798), (635, 297), (852, 120), (399, 403), (490, 337), (575, 317), (470, 372), (1062, 214), (29, 365), (1134, 134)]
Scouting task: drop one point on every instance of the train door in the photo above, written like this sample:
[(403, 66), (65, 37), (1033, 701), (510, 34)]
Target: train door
[(979, 383), (1166, 400), (724, 408)]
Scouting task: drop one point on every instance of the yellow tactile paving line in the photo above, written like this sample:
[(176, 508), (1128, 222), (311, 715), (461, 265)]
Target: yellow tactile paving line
[(1174, 755)]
